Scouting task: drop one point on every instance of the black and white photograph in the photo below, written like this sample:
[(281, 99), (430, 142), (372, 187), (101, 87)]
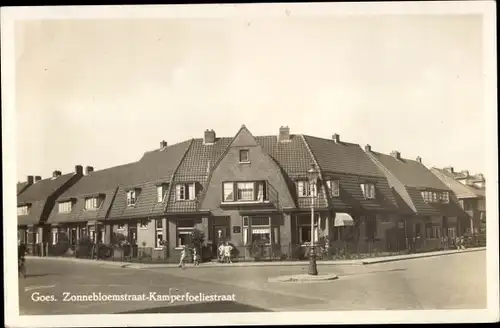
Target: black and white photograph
[(266, 164)]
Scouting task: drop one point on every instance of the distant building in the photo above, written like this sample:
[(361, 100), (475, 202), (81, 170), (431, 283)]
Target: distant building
[(470, 191)]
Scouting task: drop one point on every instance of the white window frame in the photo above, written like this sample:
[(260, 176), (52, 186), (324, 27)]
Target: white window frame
[(436, 232), (159, 232), (92, 234), (37, 237), (242, 151), (452, 232), (180, 191), (131, 198), (244, 187), (303, 188), (333, 187), (445, 197), (102, 231), (92, 203), (161, 192), (65, 207), (368, 190), (228, 190), (23, 210)]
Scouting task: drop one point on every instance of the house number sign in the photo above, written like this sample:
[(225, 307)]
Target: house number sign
[(236, 229)]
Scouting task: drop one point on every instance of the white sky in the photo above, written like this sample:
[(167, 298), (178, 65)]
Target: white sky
[(101, 92)]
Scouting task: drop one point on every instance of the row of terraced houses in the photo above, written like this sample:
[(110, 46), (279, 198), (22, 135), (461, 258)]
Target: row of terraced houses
[(253, 188)]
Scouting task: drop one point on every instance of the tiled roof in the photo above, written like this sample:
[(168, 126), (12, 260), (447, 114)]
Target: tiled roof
[(404, 175), (155, 167), (195, 167), (21, 186), (411, 173), (461, 190), (342, 157), (38, 196), (103, 182)]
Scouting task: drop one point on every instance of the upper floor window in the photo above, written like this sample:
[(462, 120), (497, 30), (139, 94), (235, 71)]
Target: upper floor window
[(65, 207), (131, 197), (244, 191), (23, 210), (185, 191), (92, 203), (333, 187), (303, 188), (436, 197), (244, 156), (368, 190), (160, 193)]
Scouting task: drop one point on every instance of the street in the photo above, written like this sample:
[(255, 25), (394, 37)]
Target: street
[(444, 282)]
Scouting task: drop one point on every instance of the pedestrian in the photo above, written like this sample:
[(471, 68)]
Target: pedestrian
[(462, 242), (183, 257), (196, 258), (227, 252), (221, 252)]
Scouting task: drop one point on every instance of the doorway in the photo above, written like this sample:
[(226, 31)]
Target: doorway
[(221, 233)]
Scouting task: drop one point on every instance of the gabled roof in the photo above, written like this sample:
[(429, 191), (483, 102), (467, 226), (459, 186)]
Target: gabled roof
[(342, 157), (409, 172), (157, 166), (100, 182), (38, 195), (409, 178), (196, 167), (461, 190)]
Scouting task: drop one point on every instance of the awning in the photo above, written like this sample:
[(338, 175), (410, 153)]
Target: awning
[(343, 220)]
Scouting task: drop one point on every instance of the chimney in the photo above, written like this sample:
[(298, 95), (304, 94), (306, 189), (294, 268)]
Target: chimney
[(396, 154), (284, 134), (38, 178), (209, 137), (336, 138), (465, 172), (56, 174), (30, 180), (89, 169), (163, 144), (419, 159), (78, 169), (450, 169), (368, 148)]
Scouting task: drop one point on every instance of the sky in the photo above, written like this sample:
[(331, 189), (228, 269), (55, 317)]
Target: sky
[(102, 92)]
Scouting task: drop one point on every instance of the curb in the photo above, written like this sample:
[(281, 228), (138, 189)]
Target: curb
[(261, 264), (420, 256), (303, 278)]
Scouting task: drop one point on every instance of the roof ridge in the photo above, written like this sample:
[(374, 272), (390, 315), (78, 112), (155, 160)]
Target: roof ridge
[(380, 165)]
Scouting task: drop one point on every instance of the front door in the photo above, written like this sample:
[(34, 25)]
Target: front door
[(132, 234), (221, 234)]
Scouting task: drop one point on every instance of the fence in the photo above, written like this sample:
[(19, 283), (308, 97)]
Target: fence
[(262, 252)]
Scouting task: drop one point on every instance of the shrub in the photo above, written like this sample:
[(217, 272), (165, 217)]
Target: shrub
[(257, 249), (84, 247)]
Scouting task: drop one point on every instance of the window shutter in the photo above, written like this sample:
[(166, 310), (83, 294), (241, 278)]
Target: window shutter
[(192, 194), (363, 189), (300, 187), (178, 192)]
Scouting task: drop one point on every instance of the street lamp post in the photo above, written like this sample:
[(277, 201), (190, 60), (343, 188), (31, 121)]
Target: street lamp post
[(312, 175)]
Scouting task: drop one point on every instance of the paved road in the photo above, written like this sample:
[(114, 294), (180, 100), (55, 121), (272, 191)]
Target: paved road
[(445, 282)]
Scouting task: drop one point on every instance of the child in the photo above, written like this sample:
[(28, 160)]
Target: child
[(227, 252), (183, 257), (221, 252), (196, 258)]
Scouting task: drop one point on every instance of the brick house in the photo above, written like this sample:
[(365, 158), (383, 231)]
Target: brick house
[(430, 209), (81, 207), (471, 196), (35, 201)]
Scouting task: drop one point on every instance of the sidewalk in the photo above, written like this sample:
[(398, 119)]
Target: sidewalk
[(367, 261)]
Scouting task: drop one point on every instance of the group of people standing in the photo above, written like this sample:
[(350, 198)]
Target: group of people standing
[(225, 251)]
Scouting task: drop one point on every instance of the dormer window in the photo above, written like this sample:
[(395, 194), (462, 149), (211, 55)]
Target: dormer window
[(436, 197), (65, 207), (92, 203), (23, 210), (333, 187), (244, 191), (303, 188), (368, 190), (185, 191), (161, 191), (131, 197), (244, 156)]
